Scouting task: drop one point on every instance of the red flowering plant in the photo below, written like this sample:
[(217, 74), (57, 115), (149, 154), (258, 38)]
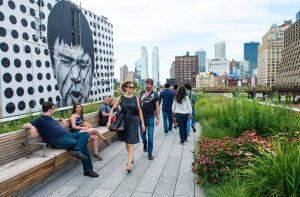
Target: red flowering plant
[(217, 159)]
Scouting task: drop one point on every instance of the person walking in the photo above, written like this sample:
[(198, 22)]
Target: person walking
[(151, 112), (193, 99), (175, 90), (183, 110), (79, 125), (58, 137), (132, 111), (167, 98)]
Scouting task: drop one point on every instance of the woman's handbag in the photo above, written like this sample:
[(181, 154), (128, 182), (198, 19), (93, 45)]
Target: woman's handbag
[(117, 121)]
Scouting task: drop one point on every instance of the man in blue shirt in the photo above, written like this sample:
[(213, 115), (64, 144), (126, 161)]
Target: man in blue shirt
[(167, 97), (104, 111), (58, 137)]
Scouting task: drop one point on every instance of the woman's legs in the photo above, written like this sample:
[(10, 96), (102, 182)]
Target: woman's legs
[(129, 148), (96, 143), (94, 131)]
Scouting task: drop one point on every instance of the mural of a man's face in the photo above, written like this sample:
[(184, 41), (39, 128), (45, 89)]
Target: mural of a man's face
[(72, 57), (73, 71)]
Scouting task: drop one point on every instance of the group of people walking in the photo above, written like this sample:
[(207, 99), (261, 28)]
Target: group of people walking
[(141, 114)]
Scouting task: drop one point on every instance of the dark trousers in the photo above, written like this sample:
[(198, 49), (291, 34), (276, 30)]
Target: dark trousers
[(78, 142), (168, 121), (182, 123)]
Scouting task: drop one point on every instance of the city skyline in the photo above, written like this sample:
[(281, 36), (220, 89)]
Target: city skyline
[(136, 25)]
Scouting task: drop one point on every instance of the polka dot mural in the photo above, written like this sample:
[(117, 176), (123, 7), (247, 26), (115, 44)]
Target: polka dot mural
[(44, 58)]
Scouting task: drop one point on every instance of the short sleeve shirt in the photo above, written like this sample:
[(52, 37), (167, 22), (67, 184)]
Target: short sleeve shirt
[(148, 103), (49, 128), (105, 108)]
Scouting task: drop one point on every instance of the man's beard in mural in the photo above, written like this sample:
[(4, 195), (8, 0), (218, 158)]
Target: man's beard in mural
[(73, 71)]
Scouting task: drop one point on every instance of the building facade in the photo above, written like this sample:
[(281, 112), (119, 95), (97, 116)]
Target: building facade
[(250, 55), (172, 70), (220, 50), (53, 51), (186, 68), (155, 66), (220, 67), (298, 16), (289, 69), (269, 54), (144, 63), (204, 79), (243, 69), (201, 60), (123, 73)]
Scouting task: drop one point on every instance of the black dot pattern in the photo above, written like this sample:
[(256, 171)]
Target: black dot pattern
[(27, 76)]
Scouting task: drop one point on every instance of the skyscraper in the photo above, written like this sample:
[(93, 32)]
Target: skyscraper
[(220, 50), (269, 54), (250, 54), (138, 68), (298, 16), (123, 73), (155, 66), (201, 60), (144, 63), (172, 70), (289, 69)]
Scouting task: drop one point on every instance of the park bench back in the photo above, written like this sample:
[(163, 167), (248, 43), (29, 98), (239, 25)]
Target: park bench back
[(18, 144)]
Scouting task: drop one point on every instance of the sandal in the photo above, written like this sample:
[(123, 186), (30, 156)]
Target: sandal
[(107, 142), (97, 157)]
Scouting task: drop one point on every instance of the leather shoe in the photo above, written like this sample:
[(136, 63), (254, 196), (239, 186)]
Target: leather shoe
[(79, 155), (91, 173), (150, 157), (145, 147), (194, 129)]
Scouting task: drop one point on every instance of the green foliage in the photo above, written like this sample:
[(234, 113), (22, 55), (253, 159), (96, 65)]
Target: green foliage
[(220, 116), (276, 174)]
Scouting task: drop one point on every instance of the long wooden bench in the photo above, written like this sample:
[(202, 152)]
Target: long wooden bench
[(22, 163)]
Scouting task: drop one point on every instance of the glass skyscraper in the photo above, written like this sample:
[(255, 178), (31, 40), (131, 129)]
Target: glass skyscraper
[(201, 60), (250, 54), (298, 16), (155, 66), (220, 50), (144, 63)]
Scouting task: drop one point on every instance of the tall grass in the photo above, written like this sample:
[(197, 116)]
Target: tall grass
[(276, 174), (220, 116)]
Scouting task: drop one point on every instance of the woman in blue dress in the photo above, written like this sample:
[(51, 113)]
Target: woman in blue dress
[(79, 125)]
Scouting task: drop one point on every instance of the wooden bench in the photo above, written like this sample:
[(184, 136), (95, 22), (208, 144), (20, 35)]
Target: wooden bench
[(23, 162)]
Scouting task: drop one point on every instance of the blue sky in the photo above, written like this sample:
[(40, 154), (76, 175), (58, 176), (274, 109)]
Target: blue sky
[(177, 26)]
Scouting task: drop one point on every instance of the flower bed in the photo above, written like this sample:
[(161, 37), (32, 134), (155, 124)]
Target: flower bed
[(261, 161)]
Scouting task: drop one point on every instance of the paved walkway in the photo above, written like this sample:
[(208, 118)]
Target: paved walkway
[(169, 174)]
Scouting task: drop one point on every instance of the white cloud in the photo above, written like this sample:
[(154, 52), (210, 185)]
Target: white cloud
[(144, 22)]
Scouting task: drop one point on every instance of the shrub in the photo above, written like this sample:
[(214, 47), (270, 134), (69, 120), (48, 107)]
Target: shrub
[(216, 158)]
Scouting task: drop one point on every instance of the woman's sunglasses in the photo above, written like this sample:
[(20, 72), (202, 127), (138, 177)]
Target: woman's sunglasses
[(131, 87)]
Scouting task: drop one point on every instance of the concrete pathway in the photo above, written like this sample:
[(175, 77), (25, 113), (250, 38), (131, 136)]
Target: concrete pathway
[(169, 174)]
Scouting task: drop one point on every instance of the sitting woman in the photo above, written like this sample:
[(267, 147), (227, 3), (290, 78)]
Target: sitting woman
[(79, 125)]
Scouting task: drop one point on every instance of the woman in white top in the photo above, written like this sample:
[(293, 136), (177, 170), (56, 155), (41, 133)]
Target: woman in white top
[(183, 109)]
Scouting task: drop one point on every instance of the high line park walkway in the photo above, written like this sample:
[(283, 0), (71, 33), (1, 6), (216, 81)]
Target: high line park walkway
[(169, 174)]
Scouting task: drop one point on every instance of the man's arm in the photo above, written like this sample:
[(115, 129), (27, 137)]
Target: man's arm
[(157, 112), (31, 128)]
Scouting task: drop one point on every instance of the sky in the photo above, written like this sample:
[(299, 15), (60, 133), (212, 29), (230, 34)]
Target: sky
[(178, 26)]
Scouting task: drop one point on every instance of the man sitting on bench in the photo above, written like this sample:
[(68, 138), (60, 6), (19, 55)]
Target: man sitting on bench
[(58, 137), (104, 111)]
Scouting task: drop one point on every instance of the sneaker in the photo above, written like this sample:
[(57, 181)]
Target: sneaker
[(91, 173), (150, 157), (145, 147), (78, 155), (194, 129)]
